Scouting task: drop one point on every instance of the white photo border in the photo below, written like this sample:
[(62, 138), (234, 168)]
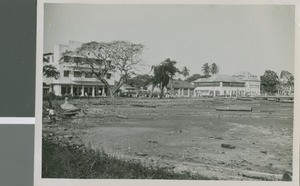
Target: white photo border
[(39, 181)]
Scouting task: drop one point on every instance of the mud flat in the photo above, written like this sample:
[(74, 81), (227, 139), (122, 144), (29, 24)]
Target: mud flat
[(188, 133)]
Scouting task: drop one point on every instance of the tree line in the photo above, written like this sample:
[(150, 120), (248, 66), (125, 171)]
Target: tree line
[(271, 83)]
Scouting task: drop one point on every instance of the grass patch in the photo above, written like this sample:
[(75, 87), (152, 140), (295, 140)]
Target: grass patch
[(66, 160)]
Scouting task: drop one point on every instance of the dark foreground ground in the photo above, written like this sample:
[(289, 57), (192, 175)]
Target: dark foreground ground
[(187, 134)]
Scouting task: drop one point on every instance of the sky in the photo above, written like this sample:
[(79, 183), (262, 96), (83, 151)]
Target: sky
[(237, 38)]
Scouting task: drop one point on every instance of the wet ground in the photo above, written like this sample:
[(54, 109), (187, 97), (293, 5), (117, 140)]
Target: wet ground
[(188, 133)]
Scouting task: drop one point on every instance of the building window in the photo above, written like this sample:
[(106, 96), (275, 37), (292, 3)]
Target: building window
[(77, 74), (65, 90), (233, 84), (66, 73), (209, 84), (226, 84), (108, 76)]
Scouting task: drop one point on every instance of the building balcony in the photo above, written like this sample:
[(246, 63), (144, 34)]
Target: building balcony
[(84, 79)]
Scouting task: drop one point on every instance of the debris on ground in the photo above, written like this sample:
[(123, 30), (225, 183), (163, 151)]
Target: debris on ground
[(121, 116), (152, 141), (141, 154), (142, 105), (286, 101), (218, 138), (69, 107), (244, 99), (235, 108), (64, 113), (261, 176), (228, 146), (103, 102), (263, 151)]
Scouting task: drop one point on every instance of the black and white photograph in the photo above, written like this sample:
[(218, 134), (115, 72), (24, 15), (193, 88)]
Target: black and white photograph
[(168, 92)]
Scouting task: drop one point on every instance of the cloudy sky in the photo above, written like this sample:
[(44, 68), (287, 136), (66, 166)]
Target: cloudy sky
[(250, 38)]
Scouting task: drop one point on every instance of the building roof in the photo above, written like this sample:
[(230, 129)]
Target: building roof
[(246, 76), (181, 84), (218, 78)]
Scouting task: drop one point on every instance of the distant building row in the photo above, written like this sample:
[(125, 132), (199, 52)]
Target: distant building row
[(79, 83), (240, 84)]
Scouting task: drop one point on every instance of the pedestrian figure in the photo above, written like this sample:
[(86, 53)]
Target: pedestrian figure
[(52, 115), (66, 100)]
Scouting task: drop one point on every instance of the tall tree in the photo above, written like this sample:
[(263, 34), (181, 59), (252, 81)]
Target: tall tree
[(140, 81), (287, 76), (185, 71), (286, 80), (49, 71), (206, 69), (269, 82), (163, 73), (102, 58), (214, 68), (195, 77)]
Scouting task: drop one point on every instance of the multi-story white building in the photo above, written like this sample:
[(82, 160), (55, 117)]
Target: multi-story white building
[(71, 81)]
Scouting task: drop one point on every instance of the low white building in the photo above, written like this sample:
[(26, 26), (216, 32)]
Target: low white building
[(219, 85), (71, 81), (156, 89), (181, 88), (175, 88), (252, 83)]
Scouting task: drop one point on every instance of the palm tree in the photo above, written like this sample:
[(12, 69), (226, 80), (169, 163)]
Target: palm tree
[(206, 69), (163, 73), (214, 69), (185, 71)]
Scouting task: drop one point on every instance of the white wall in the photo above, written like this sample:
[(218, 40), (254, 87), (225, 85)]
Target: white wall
[(221, 90), (58, 50), (57, 90), (253, 88)]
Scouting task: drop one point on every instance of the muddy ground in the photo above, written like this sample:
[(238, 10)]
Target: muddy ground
[(187, 134)]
